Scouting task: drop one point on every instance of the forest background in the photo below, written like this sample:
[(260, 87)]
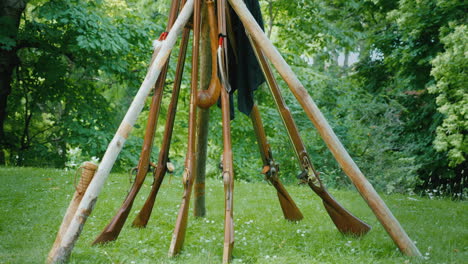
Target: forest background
[(390, 76)]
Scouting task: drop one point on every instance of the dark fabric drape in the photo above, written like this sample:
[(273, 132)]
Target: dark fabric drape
[(245, 74)]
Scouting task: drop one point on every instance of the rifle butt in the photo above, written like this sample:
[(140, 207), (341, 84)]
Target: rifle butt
[(112, 230), (178, 237), (142, 218), (290, 210), (228, 241), (228, 217), (344, 221)]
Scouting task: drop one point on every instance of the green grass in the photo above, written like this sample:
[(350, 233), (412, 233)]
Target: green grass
[(33, 201)]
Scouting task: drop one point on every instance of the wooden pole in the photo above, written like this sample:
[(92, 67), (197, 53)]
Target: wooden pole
[(199, 209), (115, 146), (87, 173), (378, 206)]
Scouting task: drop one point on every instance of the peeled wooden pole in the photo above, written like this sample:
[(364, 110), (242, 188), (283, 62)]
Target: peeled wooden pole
[(115, 146), (378, 206), (87, 174)]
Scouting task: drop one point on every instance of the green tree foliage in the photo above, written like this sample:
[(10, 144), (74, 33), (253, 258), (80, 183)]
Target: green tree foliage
[(380, 108), (450, 71), (403, 39), (80, 63), (313, 35), (400, 110)]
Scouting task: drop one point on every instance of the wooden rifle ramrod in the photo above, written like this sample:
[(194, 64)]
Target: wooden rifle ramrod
[(115, 146), (112, 230), (380, 209)]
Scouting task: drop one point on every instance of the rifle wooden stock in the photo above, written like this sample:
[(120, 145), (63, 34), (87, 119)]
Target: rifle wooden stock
[(378, 206), (178, 236), (344, 221), (228, 179), (228, 168), (290, 210), (209, 97), (342, 218), (112, 230), (141, 220)]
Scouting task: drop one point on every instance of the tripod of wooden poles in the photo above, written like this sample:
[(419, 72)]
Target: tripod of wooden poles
[(212, 28)]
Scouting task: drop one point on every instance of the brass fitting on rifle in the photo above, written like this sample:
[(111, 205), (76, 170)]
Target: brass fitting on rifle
[(270, 170), (309, 174)]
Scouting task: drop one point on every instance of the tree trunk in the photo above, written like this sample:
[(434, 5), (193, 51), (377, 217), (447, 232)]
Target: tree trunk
[(10, 15), (346, 59), (199, 209)]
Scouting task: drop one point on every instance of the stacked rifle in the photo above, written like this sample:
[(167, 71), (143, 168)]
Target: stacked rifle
[(218, 21)]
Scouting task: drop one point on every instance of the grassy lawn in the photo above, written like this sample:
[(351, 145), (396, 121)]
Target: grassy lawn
[(33, 201)]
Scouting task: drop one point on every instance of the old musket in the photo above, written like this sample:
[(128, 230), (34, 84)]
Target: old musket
[(178, 236), (112, 230), (270, 168), (228, 178), (350, 168), (343, 220), (228, 168), (141, 220), (209, 97)]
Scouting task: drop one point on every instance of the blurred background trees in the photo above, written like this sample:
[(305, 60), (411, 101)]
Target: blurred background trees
[(389, 75)]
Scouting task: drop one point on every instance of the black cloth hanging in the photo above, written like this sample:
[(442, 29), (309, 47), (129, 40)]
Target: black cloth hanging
[(245, 74)]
